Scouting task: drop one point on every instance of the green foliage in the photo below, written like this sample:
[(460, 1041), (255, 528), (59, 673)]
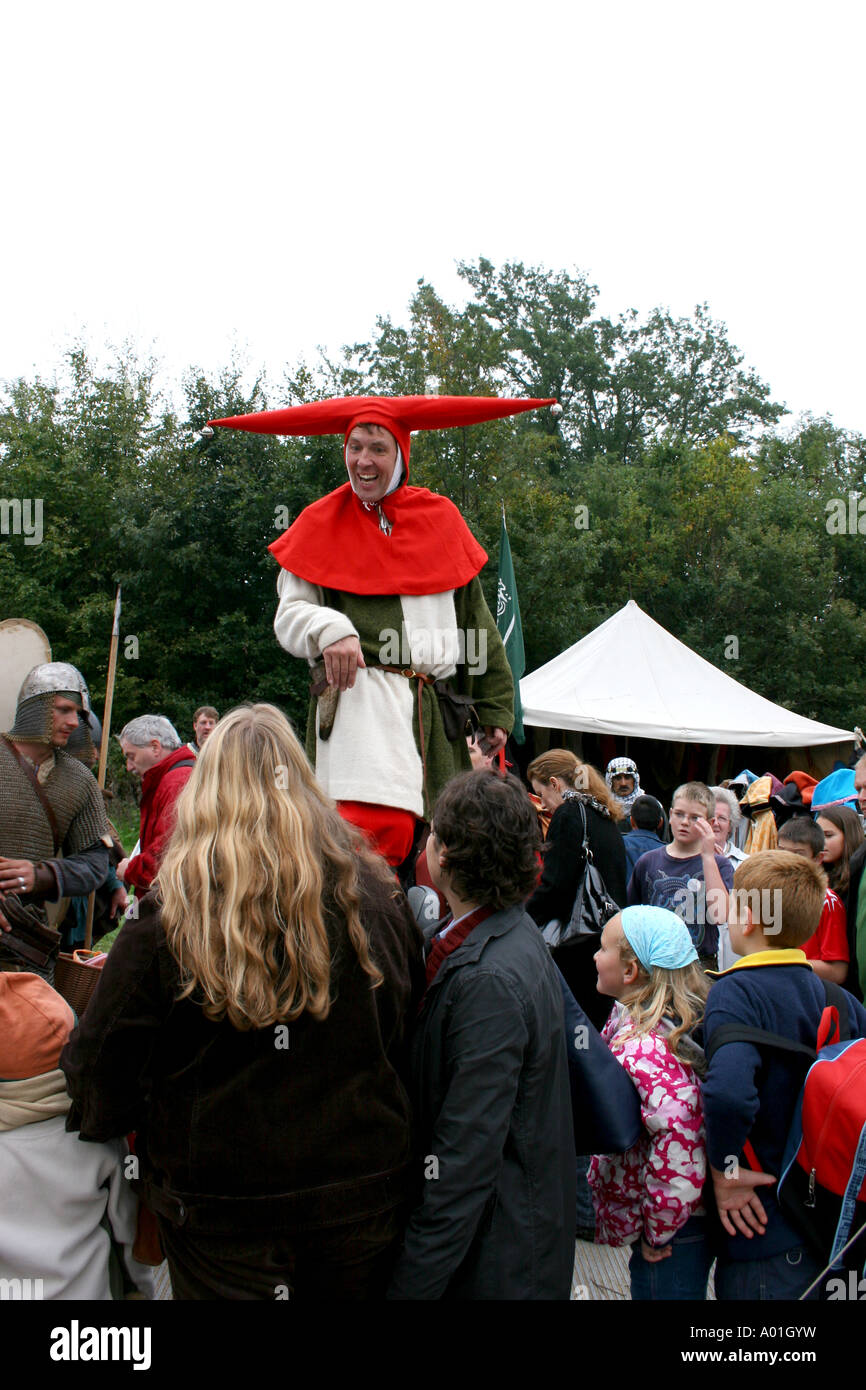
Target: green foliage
[(694, 504), (624, 385), (126, 819)]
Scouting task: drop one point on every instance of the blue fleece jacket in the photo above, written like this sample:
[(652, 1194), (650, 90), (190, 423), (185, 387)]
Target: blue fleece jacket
[(751, 1092), (639, 842)]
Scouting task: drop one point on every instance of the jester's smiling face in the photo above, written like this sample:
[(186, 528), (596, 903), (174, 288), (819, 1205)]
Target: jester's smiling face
[(371, 453)]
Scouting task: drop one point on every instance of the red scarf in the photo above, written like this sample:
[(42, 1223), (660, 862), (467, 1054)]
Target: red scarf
[(444, 945), (336, 543)]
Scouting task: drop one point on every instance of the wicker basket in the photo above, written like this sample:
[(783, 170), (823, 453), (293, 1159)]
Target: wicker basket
[(75, 979)]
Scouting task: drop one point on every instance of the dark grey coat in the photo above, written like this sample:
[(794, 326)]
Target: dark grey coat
[(856, 869), (490, 1087)]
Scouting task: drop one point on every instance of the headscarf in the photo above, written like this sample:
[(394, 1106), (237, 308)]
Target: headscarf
[(658, 937), (616, 766)]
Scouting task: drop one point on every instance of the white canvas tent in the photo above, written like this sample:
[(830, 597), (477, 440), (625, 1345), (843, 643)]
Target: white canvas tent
[(632, 678)]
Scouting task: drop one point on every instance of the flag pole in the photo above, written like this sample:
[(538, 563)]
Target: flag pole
[(103, 747), (508, 623), (502, 750)]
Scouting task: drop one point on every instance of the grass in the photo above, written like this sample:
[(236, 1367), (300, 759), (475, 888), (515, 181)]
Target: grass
[(106, 942), (124, 816)]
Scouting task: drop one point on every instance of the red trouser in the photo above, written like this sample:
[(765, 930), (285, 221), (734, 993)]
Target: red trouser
[(389, 830)]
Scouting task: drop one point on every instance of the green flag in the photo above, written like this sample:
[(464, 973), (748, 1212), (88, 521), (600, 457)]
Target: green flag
[(508, 623)]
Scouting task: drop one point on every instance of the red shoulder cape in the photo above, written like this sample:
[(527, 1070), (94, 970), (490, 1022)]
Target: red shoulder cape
[(336, 543)]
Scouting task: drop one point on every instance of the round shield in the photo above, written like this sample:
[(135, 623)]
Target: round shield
[(23, 645)]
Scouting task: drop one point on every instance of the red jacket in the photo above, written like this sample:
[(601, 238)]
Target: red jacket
[(161, 785)]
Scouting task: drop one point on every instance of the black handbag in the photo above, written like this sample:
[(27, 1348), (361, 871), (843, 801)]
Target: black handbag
[(573, 943), (605, 1105), (593, 904)]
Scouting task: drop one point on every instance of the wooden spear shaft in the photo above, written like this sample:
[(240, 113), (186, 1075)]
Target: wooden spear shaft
[(106, 735)]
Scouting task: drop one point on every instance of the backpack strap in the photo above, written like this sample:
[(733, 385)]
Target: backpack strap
[(732, 1032), (834, 1026), (751, 1157)]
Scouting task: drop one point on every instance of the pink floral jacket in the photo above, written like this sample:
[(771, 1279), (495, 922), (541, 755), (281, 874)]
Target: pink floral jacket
[(652, 1190)]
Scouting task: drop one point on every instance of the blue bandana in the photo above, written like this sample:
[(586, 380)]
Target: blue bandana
[(658, 937)]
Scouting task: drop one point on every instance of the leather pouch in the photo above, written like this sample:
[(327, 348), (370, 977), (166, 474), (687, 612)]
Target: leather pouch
[(459, 715), (29, 938)]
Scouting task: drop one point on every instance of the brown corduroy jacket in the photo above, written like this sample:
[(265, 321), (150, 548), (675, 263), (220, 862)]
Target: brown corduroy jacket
[(297, 1124)]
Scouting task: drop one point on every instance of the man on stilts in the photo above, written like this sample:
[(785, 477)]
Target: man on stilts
[(379, 591)]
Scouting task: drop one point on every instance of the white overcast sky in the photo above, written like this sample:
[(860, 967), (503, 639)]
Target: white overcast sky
[(270, 177)]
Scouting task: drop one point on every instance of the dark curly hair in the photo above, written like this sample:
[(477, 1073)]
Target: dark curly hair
[(489, 830)]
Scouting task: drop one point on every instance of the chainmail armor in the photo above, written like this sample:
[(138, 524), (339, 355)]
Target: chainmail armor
[(33, 717), (75, 799), (84, 743)]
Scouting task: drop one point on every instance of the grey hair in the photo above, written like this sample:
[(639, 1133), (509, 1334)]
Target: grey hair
[(722, 794), (149, 726)]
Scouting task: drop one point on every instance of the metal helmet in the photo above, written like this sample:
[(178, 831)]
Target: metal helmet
[(58, 678), (36, 699)]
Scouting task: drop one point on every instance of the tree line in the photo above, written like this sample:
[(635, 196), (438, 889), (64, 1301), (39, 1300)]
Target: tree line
[(667, 479)]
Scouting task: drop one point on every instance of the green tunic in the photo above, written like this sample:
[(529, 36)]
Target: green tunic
[(491, 689)]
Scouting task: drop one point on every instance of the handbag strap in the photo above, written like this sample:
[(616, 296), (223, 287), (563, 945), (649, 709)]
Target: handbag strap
[(40, 792), (576, 907), (587, 852)]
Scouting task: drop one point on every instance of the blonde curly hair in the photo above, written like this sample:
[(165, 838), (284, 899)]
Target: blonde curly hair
[(258, 860), (679, 995)]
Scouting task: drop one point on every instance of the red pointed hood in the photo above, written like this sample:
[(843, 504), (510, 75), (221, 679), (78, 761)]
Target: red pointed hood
[(399, 414), (337, 542)]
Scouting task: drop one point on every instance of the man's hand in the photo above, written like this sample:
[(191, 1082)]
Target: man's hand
[(496, 738), (16, 876), (122, 868), (653, 1255), (342, 660), (740, 1207), (119, 902)]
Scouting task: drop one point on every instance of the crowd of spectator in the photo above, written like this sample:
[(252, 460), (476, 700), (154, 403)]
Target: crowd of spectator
[(399, 1079)]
